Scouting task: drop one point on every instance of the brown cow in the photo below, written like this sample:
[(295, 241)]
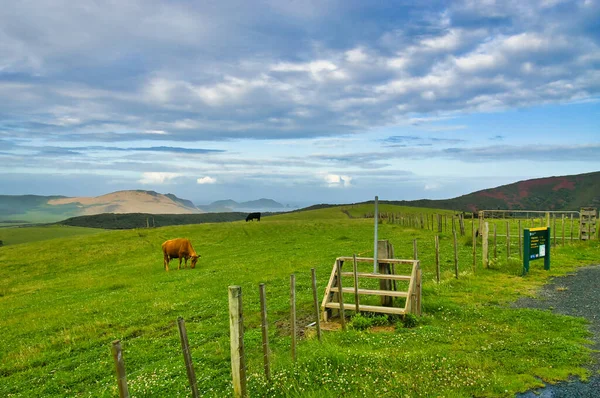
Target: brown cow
[(180, 248)]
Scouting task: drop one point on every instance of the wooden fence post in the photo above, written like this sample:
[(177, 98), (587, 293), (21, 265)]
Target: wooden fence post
[(341, 295), (507, 240), (455, 255), (495, 246), (554, 228), (355, 271), (265, 330), (563, 229), (117, 354), (415, 250), (571, 228), (236, 330), (187, 357), (437, 258), (293, 314), (520, 242), (474, 244), (484, 245), (316, 301)]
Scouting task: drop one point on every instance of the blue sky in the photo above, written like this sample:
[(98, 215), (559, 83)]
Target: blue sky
[(299, 101)]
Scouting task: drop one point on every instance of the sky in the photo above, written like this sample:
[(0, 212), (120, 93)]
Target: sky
[(302, 102)]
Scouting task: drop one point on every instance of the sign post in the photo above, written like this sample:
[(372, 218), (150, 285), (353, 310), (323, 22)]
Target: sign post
[(536, 246)]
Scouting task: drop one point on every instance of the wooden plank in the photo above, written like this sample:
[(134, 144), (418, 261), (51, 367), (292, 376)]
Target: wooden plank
[(378, 276), (381, 260), (340, 294), (327, 291), (356, 298), (390, 293), (372, 308)]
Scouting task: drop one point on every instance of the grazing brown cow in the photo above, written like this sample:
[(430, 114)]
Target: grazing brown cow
[(180, 248)]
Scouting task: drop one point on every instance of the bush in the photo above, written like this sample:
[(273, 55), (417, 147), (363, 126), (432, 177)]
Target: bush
[(409, 321), (360, 322)]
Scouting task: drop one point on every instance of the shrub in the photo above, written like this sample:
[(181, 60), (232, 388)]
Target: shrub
[(360, 322), (409, 321)]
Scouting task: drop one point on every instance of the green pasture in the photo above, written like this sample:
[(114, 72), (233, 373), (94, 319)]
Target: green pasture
[(25, 234), (63, 301)]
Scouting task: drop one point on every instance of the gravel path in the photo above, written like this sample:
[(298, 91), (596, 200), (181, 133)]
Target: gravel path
[(575, 294)]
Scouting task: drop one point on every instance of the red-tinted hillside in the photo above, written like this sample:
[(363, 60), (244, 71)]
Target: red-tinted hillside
[(551, 193)]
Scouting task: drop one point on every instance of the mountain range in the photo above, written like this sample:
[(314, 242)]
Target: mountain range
[(551, 193)]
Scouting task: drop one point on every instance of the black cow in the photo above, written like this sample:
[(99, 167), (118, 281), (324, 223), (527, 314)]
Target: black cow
[(253, 216)]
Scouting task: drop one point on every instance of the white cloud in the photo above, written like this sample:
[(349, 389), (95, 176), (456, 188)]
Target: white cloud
[(337, 181), (206, 180), (155, 177)]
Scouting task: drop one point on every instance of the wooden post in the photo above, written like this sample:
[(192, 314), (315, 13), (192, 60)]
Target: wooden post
[(554, 228), (384, 268), (563, 229), (445, 223), (236, 329), (440, 227), (355, 270), (484, 245), (455, 255), (187, 357), (474, 244), (375, 243), (341, 295), (265, 330), (520, 242), (461, 224), (495, 246), (293, 313), (548, 220), (437, 258), (316, 301), (117, 354), (453, 225), (507, 240), (415, 251), (571, 228)]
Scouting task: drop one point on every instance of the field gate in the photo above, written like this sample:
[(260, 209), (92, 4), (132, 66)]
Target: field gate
[(387, 281), (588, 220)]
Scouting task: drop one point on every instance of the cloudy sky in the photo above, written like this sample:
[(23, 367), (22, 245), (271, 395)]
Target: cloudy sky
[(299, 101)]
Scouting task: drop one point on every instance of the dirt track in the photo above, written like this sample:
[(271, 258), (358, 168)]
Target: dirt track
[(576, 294)]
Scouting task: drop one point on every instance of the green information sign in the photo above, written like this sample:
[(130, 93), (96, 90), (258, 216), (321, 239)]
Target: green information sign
[(536, 246)]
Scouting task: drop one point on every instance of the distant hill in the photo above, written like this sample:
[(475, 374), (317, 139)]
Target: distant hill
[(229, 205), (552, 193), (142, 220), (32, 208)]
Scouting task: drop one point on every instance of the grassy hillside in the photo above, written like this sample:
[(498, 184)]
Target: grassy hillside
[(63, 303), (552, 193), (17, 235)]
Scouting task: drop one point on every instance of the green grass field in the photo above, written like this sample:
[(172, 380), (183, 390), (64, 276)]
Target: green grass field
[(62, 302), (26, 234)]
